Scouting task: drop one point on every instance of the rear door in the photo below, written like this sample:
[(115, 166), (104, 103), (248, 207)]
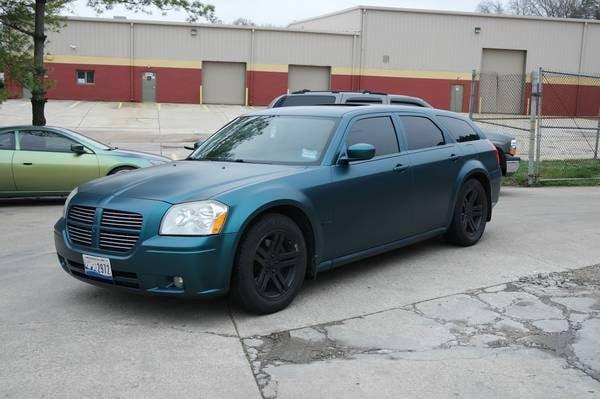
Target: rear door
[(435, 161), (45, 162), (372, 207), (7, 151)]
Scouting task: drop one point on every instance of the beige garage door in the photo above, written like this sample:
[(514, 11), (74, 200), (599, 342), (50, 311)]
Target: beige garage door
[(223, 83), (502, 81), (308, 77)]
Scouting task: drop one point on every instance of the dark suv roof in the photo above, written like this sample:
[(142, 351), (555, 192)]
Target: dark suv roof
[(308, 97)]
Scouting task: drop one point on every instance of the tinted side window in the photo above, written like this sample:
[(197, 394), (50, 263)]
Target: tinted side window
[(460, 130), (421, 132), (402, 102), (369, 100), (293, 101), (378, 132), (7, 141), (41, 140)]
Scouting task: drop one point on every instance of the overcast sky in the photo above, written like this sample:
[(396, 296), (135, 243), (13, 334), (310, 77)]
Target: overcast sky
[(280, 12)]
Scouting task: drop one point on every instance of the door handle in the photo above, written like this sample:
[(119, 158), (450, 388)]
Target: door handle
[(27, 163), (400, 168), (453, 157)]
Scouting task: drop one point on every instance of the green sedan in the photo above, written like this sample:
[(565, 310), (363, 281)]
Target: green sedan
[(51, 161)]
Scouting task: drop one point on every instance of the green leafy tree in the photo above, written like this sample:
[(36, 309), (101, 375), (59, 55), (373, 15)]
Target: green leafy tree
[(23, 28)]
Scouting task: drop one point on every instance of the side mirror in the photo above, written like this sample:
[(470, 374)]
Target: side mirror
[(78, 149), (195, 147), (358, 152)]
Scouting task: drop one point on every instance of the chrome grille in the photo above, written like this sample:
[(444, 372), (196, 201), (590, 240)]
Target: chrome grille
[(82, 214), (117, 241), (80, 235), (121, 219)]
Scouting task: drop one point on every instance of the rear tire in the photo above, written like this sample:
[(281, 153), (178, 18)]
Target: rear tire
[(270, 265), (121, 169), (470, 214)]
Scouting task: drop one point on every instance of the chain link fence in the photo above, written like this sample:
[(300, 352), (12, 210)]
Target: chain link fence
[(568, 126), (554, 116)]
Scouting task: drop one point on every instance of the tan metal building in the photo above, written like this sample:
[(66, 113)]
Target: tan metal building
[(424, 53)]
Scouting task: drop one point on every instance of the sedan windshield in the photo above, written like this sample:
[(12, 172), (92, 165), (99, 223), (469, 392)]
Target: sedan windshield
[(281, 139)]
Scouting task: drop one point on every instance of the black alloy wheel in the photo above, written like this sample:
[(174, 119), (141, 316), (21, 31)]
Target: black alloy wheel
[(470, 214), (270, 264)]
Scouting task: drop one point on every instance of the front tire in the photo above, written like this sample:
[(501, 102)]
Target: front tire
[(270, 265), (470, 214)]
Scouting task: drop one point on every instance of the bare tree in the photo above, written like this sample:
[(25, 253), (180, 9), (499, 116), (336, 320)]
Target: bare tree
[(491, 7)]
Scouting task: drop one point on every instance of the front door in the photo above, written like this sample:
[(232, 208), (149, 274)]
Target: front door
[(435, 163), (149, 87), (370, 202), (45, 163)]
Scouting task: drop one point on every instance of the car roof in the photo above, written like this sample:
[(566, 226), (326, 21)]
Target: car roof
[(341, 110), (17, 127)]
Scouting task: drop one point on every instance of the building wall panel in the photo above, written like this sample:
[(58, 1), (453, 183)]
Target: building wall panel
[(102, 39), (438, 42), (344, 21)]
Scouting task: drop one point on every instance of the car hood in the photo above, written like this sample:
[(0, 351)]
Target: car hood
[(184, 181), (498, 138), (138, 154)]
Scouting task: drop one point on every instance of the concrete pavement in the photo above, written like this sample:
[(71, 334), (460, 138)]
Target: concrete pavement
[(430, 320)]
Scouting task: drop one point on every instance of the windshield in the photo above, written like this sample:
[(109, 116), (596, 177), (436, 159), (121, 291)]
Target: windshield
[(269, 139), (88, 141)]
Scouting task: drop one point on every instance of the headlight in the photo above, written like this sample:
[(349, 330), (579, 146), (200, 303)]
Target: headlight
[(68, 201), (194, 219), (513, 147)]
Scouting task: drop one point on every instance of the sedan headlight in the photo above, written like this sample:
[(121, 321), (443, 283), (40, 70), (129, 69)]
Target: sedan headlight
[(194, 219), (68, 201)]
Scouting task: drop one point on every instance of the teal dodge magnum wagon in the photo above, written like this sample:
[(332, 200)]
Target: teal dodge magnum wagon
[(280, 195)]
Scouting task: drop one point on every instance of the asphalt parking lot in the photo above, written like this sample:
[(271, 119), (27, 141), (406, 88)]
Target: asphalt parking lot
[(517, 315)]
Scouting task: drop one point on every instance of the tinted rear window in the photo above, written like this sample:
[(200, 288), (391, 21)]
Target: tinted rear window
[(421, 132), (459, 129), (308, 99)]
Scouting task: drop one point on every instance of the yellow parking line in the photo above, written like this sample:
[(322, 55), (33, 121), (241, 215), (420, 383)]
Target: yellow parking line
[(119, 106), (158, 106), (75, 104), (204, 107)]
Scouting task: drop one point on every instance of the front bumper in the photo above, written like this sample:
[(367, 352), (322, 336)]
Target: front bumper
[(512, 165), (205, 264)]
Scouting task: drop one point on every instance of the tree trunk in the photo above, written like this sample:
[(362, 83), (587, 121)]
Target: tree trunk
[(38, 91)]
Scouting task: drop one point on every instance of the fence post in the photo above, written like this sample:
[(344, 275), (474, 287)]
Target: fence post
[(532, 128), (540, 113), (472, 94), (597, 137)]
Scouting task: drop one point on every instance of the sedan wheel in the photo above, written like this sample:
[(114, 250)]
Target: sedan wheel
[(271, 264), (470, 214)]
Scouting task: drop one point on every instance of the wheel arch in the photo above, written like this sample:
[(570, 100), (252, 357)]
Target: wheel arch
[(303, 219), (473, 170)]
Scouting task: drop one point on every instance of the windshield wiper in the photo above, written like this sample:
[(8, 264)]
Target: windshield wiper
[(219, 159)]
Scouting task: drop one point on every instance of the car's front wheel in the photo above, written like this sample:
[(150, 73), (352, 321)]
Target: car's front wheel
[(470, 214), (270, 264)]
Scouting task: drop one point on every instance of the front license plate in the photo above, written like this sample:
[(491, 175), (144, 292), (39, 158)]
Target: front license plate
[(96, 266)]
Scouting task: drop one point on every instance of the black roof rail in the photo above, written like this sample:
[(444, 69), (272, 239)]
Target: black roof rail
[(303, 91)]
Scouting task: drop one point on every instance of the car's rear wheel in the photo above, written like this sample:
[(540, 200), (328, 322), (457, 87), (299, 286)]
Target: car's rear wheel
[(119, 170), (470, 214), (270, 264)]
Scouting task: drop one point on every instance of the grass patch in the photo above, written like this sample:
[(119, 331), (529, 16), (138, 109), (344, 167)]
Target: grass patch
[(588, 170)]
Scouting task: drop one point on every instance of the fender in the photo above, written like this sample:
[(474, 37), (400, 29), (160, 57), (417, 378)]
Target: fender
[(470, 168), (261, 199)]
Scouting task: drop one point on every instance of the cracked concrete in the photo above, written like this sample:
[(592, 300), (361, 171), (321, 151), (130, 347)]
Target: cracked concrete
[(512, 340), (375, 328)]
